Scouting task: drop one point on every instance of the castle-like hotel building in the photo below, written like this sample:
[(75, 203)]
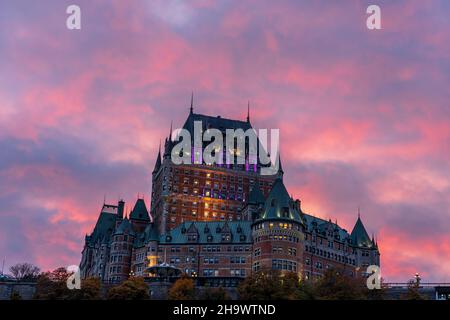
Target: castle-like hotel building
[(220, 222)]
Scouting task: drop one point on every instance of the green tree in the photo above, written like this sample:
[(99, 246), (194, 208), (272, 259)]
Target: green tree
[(336, 285), (182, 289), (134, 288)]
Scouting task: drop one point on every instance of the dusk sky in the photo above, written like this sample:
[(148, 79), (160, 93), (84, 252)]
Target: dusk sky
[(364, 115)]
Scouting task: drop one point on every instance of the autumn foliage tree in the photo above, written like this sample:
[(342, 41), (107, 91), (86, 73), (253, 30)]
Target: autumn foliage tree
[(272, 285), (134, 288), (182, 289), (336, 285), (53, 286)]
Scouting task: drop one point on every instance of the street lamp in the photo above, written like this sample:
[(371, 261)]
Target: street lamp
[(417, 277)]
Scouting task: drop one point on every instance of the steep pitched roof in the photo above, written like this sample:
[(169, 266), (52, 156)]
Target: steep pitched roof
[(124, 227), (210, 232), (359, 235), (158, 161), (279, 204), (321, 226), (104, 227), (256, 196), (140, 211), (214, 122)]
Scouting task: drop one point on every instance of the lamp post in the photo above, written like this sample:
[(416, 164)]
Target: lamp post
[(417, 278)]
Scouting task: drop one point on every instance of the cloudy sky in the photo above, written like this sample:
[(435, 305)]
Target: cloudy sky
[(364, 115)]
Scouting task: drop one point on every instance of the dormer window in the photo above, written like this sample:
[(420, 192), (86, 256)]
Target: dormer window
[(242, 237), (206, 230), (218, 230), (168, 238), (192, 237), (285, 212), (273, 203), (210, 238)]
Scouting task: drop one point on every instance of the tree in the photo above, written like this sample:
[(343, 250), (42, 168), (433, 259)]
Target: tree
[(182, 289), (90, 290), (24, 271), (412, 292), (271, 285), (336, 285), (52, 285), (134, 288)]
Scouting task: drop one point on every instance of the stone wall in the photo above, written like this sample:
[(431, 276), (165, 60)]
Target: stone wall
[(24, 289)]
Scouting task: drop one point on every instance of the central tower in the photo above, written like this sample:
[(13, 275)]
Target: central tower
[(199, 191)]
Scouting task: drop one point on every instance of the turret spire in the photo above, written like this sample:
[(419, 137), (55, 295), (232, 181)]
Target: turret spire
[(192, 103), (280, 167), (158, 159), (170, 134), (248, 111)]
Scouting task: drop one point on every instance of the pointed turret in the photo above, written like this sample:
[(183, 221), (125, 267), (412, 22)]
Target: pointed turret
[(279, 205), (140, 211), (124, 227), (158, 160), (256, 196), (280, 167), (359, 234), (170, 131), (248, 112)]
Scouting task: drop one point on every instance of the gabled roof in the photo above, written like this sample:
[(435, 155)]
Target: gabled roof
[(321, 226), (214, 122), (124, 227), (103, 228), (150, 234), (192, 228), (279, 204), (236, 228), (256, 196), (359, 235), (140, 211)]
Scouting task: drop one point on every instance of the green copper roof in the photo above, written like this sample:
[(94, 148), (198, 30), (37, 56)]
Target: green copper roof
[(140, 211), (321, 226), (214, 122), (124, 227), (209, 232), (103, 228), (279, 205), (150, 234), (359, 235), (256, 196)]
